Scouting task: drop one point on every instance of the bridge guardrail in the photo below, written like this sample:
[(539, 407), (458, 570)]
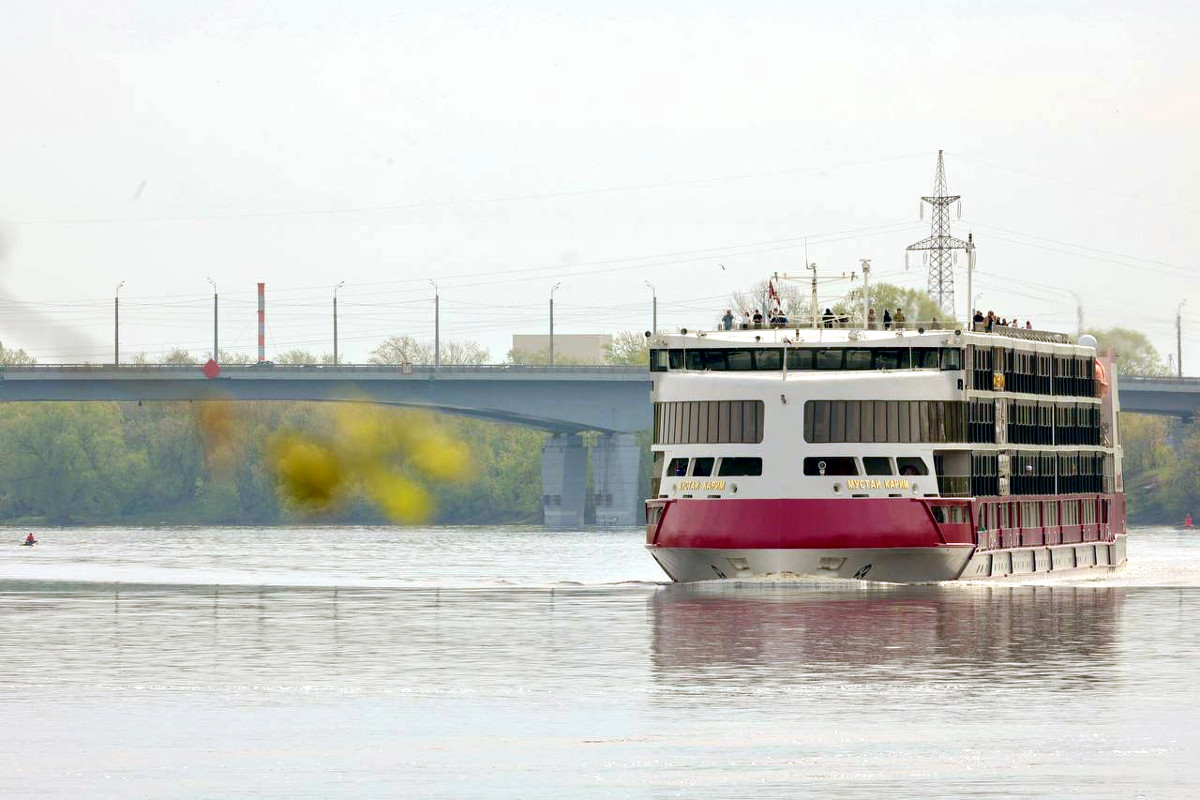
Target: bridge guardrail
[(371, 368)]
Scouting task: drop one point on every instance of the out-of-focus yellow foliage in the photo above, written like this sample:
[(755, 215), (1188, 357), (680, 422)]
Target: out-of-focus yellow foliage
[(308, 472), (441, 458), (401, 499), (215, 420), (379, 454)]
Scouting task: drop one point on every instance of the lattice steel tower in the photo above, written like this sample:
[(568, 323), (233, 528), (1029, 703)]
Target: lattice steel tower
[(940, 244)]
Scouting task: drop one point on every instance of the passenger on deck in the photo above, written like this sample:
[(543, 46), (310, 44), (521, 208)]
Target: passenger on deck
[(746, 322), (887, 320), (727, 320), (1028, 325), (758, 318), (977, 320), (870, 319), (898, 318), (827, 318)]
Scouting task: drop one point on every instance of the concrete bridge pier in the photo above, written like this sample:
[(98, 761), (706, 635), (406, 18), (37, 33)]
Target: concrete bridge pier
[(564, 481), (1178, 429), (616, 470)]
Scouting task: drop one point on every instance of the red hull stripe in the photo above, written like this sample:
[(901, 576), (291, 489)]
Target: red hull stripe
[(825, 524), (817, 524)]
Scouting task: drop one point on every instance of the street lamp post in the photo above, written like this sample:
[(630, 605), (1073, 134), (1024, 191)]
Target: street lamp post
[(216, 351), (552, 291), (1179, 337), (654, 307), (117, 324), (437, 325), (335, 341)]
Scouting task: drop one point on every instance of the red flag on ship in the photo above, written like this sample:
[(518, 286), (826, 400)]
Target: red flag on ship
[(774, 295)]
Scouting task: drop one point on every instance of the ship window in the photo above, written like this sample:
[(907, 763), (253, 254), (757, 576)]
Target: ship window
[(709, 422), (925, 358), (901, 421), (893, 419), (740, 360), (800, 359), (877, 465), (715, 360), (677, 467), (887, 359), (733, 467), (911, 466), (771, 358), (695, 359), (837, 422), (658, 360), (830, 465), (939, 513), (858, 359), (853, 420), (828, 359), (675, 357), (702, 467), (951, 358)]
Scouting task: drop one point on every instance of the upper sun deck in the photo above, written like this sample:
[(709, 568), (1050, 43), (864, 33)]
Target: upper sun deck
[(1002, 360), (1019, 339)]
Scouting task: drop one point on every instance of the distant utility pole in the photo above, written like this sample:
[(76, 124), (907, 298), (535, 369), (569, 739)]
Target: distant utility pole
[(940, 245), (117, 324), (216, 352), (816, 313), (1078, 313), (1179, 337), (654, 307), (437, 325), (262, 322), (335, 338), (552, 291), (866, 268)]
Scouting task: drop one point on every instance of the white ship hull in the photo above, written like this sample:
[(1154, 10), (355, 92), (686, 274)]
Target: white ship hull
[(892, 564)]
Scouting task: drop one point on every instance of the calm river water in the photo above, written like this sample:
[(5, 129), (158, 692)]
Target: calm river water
[(454, 662)]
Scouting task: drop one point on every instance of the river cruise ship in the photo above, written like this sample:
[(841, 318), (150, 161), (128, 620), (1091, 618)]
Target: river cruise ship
[(892, 455)]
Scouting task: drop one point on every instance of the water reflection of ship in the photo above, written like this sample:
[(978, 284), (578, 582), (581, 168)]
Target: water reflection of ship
[(903, 633)]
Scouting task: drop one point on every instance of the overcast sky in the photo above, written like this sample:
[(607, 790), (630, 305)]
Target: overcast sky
[(504, 147)]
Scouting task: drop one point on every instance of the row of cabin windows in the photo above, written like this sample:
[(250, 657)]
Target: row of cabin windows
[(1035, 423), (1031, 373), (704, 466), (807, 358), (1042, 473), (884, 421), (981, 422), (1045, 514), (830, 466), (708, 422)]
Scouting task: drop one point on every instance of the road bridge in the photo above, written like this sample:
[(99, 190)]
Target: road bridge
[(564, 401), (1171, 397)]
